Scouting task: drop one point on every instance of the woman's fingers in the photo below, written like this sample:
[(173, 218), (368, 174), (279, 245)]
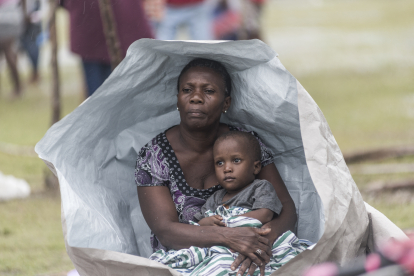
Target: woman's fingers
[(266, 242), (252, 268), (261, 252), (245, 265), (238, 261), (262, 271), (249, 242), (263, 231), (258, 261)]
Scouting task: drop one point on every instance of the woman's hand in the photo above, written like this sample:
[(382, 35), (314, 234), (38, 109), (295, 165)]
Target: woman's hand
[(215, 220), (246, 265), (250, 243)]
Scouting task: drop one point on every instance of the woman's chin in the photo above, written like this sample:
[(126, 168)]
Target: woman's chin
[(197, 124)]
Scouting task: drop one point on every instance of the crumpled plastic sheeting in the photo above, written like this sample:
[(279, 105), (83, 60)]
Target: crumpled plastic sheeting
[(93, 152)]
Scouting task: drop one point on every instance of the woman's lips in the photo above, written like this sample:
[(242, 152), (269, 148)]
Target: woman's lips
[(195, 113)]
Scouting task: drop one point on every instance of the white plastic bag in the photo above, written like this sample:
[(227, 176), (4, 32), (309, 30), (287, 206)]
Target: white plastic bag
[(93, 152)]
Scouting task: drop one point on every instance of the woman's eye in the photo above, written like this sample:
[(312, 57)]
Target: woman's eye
[(209, 91), (237, 160), (186, 90)]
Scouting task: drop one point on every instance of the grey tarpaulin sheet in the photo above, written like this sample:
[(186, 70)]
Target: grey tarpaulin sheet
[(93, 152)]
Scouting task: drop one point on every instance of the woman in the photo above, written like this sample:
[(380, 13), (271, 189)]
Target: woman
[(168, 200)]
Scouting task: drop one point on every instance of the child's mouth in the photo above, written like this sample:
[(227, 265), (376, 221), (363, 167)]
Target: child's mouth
[(229, 178)]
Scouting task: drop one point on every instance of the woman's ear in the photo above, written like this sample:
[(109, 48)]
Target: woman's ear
[(257, 167), (227, 103)]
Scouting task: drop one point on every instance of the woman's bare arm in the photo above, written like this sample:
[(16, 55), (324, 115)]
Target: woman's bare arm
[(161, 216), (287, 218)]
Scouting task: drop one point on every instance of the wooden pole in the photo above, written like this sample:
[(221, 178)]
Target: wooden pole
[(56, 107), (51, 181), (109, 27)]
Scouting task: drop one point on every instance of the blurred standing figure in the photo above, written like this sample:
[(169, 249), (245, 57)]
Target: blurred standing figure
[(251, 17), (11, 26), (227, 20), (87, 37), (196, 14), (155, 12), (30, 39)]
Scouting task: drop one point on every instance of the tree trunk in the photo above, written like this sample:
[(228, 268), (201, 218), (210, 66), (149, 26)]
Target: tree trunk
[(51, 181), (54, 62), (109, 27)]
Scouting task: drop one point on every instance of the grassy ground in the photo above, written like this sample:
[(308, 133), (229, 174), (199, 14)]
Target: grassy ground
[(353, 57)]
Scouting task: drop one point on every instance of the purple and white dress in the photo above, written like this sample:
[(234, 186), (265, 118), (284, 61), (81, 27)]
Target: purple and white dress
[(157, 165)]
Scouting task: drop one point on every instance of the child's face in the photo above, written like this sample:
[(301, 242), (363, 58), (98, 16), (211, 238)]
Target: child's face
[(235, 167)]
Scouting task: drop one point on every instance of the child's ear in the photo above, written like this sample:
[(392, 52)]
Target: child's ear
[(257, 167)]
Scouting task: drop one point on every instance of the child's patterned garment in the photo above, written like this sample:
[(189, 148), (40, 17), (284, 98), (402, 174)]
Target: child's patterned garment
[(216, 260)]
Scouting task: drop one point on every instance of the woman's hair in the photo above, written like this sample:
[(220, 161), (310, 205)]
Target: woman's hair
[(212, 64)]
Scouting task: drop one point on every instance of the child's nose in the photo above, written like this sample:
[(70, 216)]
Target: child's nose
[(228, 168)]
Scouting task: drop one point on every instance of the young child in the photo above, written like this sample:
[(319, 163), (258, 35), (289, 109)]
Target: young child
[(244, 202), (237, 162)]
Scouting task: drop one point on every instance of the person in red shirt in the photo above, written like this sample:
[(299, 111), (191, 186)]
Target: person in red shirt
[(87, 37)]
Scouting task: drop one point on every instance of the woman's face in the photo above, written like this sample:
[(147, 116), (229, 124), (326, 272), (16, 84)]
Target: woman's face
[(201, 97)]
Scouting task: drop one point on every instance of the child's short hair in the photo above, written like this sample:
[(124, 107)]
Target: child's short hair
[(251, 142)]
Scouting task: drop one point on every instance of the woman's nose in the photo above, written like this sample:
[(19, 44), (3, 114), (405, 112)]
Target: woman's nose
[(196, 98)]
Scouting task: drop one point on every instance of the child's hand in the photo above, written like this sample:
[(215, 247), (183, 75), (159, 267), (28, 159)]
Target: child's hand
[(215, 220)]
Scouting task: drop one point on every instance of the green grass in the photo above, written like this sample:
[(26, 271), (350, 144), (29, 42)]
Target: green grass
[(339, 14), (400, 213), (365, 111), (353, 57), (31, 239)]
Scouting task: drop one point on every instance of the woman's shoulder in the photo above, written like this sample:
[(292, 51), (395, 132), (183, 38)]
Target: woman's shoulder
[(152, 167), (154, 144)]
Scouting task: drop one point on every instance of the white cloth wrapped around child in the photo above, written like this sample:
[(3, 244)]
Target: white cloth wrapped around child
[(216, 260)]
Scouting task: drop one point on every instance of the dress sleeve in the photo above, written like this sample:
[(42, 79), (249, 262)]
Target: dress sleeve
[(265, 196), (152, 167), (267, 154)]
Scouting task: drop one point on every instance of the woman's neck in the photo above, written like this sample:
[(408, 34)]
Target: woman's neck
[(198, 140)]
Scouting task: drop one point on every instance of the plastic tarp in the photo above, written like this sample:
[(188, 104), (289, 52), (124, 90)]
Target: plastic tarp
[(93, 152)]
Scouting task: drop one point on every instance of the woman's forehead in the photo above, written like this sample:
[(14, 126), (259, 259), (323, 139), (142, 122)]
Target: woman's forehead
[(202, 73)]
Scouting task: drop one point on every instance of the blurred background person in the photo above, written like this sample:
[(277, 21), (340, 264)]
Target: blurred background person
[(154, 9), (31, 38), (227, 20), (251, 19), (87, 38), (196, 15), (11, 26)]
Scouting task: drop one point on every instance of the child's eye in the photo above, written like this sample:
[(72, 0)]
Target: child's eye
[(237, 160), (219, 163)]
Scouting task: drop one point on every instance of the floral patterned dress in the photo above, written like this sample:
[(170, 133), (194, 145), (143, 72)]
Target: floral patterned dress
[(157, 165)]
